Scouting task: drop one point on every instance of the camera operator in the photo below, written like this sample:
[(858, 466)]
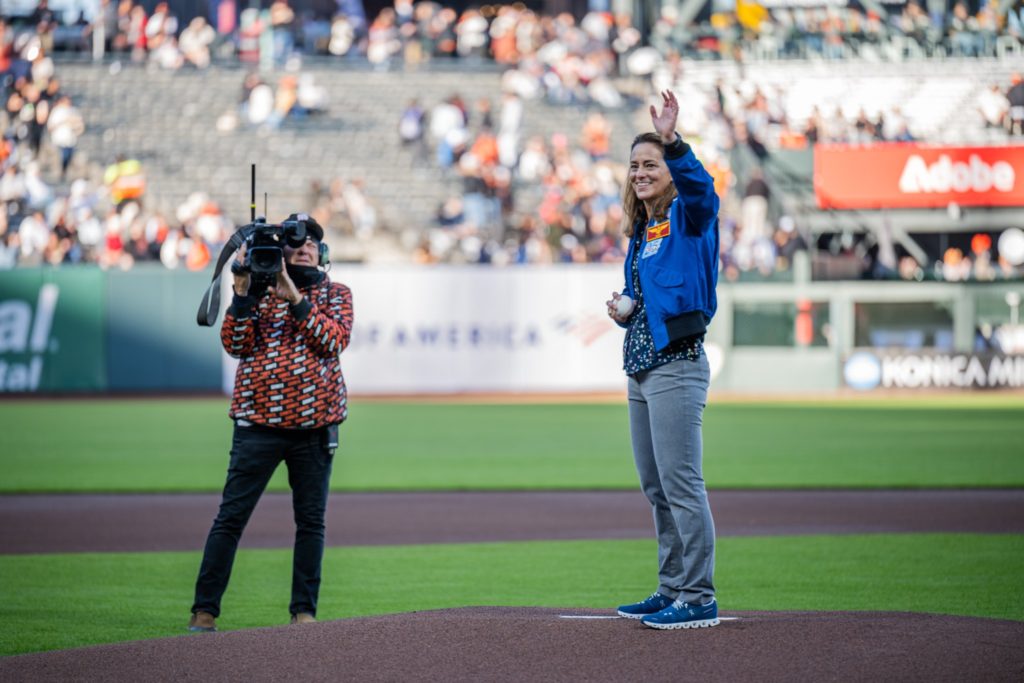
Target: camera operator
[(288, 401)]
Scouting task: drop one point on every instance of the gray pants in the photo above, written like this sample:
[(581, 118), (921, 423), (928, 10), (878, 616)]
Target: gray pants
[(666, 408)]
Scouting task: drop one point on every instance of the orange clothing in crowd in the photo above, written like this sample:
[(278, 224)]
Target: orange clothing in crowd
[(198, 256), (126, 180), (791, 139), (486, 149), (722, 177)]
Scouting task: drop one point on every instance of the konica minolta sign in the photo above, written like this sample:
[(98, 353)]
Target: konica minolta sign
[(867, 370)]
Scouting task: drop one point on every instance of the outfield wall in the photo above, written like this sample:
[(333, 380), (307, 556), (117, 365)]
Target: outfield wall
[(79, 329), (448, 329)]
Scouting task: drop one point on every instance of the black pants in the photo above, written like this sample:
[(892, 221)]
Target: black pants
[(255, 454)]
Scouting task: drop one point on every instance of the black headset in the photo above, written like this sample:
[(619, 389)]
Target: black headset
[(323, 254), (323, 258)]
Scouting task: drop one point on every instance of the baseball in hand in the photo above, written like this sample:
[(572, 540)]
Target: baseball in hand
[(624, 306)]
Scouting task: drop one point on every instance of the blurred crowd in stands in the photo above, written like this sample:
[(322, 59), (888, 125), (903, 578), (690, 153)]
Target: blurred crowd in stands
[(264, 105), (837, 32), (534, 200), (569, 186), (565, 59), (575, 185), (510, 34), (56, 211)]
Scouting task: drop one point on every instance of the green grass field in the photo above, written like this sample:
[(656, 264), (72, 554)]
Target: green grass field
[(181, 445), (61, 601)]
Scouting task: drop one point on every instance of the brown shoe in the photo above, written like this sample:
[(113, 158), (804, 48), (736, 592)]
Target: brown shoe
[(303, 618), (202, 622)]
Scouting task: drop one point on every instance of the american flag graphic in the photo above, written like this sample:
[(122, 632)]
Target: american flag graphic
[(587, 328)]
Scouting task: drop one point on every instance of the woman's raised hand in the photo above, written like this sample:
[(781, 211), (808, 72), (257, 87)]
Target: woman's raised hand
[(665, 122)]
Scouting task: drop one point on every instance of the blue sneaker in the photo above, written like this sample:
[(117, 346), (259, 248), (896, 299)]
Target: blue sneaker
[(651, 605), (684, 615)]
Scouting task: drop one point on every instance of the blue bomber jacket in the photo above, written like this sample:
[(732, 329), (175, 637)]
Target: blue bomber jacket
[(678, 263)]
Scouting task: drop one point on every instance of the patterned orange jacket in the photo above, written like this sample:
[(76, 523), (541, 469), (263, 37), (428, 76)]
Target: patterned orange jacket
[(289, 374)]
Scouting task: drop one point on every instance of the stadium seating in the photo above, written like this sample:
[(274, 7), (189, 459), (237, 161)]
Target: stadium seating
[(169, 121)]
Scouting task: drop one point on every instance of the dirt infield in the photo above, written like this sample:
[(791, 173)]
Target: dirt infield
[(533, 644), (530, 644), (92, 523)]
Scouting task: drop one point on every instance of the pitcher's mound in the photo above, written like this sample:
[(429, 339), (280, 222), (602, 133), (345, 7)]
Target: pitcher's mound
[(539, 644)]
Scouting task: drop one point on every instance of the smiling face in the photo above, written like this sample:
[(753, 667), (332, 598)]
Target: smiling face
[(648, 173), (306, 255)]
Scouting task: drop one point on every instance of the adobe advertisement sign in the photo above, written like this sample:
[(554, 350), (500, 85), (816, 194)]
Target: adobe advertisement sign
[(908, 176)]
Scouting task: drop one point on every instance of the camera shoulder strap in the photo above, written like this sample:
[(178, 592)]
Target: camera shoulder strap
[(209, 307)]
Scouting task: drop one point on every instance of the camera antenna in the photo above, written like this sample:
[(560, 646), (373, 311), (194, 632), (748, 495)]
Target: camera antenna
[(252, 195), (264, 203)]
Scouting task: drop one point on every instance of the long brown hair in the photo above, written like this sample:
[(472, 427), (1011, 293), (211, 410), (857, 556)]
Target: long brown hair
[(633, 210)]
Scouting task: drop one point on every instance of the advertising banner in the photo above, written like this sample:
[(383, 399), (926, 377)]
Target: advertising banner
[(153, 342), (897, 176), (867, 370), (454, 329), (51, 330)]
